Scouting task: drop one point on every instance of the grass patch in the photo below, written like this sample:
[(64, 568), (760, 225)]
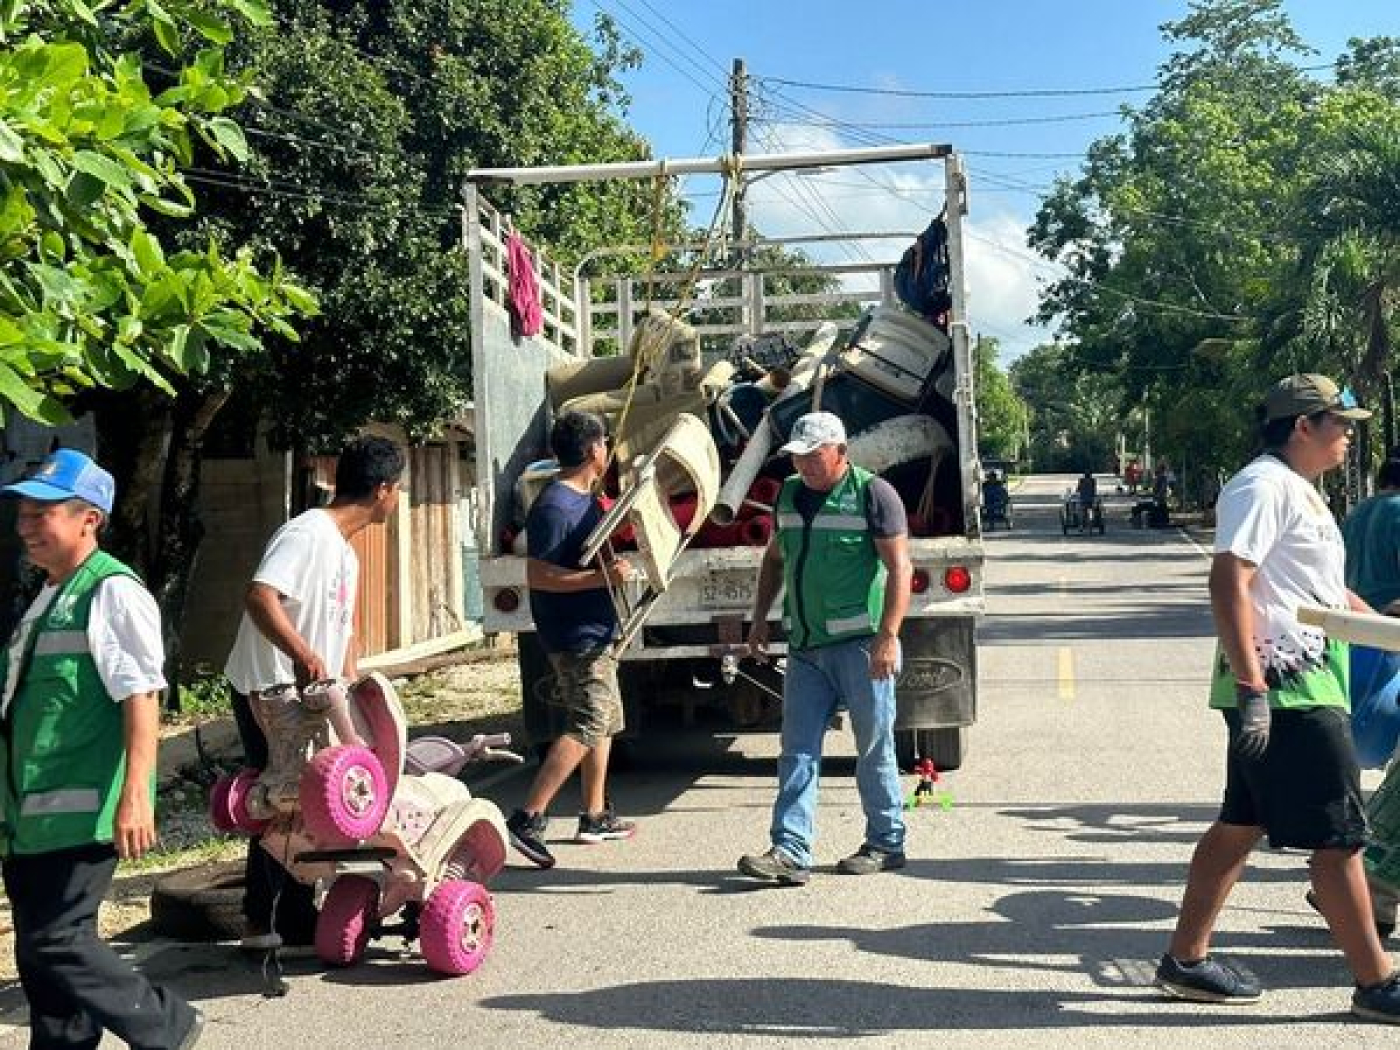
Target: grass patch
[(205, 694)]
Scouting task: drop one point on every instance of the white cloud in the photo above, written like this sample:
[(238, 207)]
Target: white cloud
[(1001, 271)]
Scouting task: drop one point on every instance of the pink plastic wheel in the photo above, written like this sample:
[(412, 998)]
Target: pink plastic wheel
[(231, 806), (456, 927), (344, 795), (219, 814), (346, 918)]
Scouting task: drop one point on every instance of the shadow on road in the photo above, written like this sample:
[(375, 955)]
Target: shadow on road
[(817, 1008)]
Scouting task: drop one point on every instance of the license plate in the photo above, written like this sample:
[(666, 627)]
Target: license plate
[(727, 590)]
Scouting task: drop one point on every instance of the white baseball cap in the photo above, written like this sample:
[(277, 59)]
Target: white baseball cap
[(812, 431)]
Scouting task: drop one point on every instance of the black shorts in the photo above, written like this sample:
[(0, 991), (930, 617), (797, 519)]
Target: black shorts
[(1306, 790)]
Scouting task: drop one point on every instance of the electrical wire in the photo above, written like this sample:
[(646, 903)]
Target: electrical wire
[(856, 89)]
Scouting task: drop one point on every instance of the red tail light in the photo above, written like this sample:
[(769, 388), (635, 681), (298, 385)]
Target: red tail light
[(918, 583), (506, 600), (957, 579)]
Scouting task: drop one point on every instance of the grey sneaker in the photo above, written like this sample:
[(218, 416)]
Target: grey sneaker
[(606, 826), (868, 860), (1380, 1002), (1207, 981), (774, 866)]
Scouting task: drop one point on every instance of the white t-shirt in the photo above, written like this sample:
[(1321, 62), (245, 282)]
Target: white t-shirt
[(123, 634), (1271, 517), (309, 563)]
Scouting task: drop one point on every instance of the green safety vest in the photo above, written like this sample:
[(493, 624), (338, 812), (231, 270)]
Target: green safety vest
[(64, 756), (832, 573)]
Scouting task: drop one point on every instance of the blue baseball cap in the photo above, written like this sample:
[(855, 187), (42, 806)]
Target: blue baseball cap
[(67, 474)]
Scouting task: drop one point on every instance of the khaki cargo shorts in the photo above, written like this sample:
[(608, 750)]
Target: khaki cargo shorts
[(585, 686)]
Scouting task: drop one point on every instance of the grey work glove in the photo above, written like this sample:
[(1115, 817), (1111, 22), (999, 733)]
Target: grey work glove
[(1253, 738)]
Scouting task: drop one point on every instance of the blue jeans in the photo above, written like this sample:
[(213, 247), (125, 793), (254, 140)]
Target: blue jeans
[(817, 682)]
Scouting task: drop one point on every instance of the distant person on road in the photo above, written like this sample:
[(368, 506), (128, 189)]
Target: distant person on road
[(841, 554), (577, 625), (1291, 769), (297, 628), (995, 495), (1132, 476), (1163, 481), (1087, 490)]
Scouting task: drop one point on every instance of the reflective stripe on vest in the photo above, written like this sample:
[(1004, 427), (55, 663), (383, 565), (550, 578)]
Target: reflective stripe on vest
[(847, 624), (829, 522), (61, 643), (63, 800)]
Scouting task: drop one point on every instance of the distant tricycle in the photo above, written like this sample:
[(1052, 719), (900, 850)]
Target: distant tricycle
[(1078, 516), (996, 505)]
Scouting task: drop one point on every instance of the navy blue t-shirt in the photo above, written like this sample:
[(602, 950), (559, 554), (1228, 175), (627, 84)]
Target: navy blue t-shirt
[(558, 524)]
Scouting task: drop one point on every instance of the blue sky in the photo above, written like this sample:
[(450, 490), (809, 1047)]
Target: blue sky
[(680, 103)]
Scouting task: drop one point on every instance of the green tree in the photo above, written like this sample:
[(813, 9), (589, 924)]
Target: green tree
[(1075, 416), (90, 295), (365, 119), (1204, 225), (1002, 417)]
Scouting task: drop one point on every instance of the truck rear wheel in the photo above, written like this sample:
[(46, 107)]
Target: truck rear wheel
[(947, 747)]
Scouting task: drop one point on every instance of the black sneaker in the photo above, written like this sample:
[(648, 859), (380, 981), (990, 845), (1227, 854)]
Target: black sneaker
[(195, 1030), (1207, 981), (606, 826), (869, 859), (527, 836), (1380, 1002), (774, 866)]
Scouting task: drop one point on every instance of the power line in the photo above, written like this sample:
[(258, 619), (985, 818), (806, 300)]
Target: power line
[(647, 44), (856, 89), (684, 36), (1063, 118), (292, 190)]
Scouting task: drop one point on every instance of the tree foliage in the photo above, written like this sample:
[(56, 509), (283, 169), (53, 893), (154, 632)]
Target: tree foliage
[(369, 116), (1241, 227), (91, 296), (1002, 417)]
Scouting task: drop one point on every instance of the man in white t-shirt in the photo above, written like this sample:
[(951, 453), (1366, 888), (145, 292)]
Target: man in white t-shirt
[(1291, 770), (298, 627)]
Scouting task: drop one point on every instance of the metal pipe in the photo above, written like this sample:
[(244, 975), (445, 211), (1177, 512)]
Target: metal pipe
[(729, 163)]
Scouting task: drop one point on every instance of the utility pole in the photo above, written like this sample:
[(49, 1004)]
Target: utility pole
[(739, 124)]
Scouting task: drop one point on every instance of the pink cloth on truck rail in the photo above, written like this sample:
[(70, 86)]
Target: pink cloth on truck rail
[(527, 315)]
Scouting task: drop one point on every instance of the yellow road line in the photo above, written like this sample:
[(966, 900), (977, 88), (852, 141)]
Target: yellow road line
[(1066, 673)]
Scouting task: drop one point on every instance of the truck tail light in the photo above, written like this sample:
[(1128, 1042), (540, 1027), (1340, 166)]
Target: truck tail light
[(957, 579), (918, 583), (506, 600)]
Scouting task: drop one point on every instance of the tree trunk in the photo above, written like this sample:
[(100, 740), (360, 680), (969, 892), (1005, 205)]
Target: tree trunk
[(1378, 359), (133, 432), (153, 446), (180, 525)]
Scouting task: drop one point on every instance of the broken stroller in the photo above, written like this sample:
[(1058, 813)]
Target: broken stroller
[(383, 824)]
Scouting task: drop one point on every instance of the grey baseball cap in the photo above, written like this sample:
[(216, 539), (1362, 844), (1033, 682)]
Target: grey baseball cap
[(812, 431)]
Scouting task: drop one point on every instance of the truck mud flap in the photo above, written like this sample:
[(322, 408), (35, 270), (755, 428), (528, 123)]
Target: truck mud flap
[(938, 685)]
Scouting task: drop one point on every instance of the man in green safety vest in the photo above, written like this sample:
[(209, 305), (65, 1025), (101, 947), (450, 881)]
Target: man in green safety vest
[(841, 554), (82, 675)]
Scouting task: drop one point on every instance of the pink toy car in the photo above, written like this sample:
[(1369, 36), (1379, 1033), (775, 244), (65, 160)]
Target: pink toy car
[(383, 824)]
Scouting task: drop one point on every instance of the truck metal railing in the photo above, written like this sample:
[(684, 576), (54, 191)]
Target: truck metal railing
[(485, 232)]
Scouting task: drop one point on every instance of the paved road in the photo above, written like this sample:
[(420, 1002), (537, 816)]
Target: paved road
[(1030, 914)]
